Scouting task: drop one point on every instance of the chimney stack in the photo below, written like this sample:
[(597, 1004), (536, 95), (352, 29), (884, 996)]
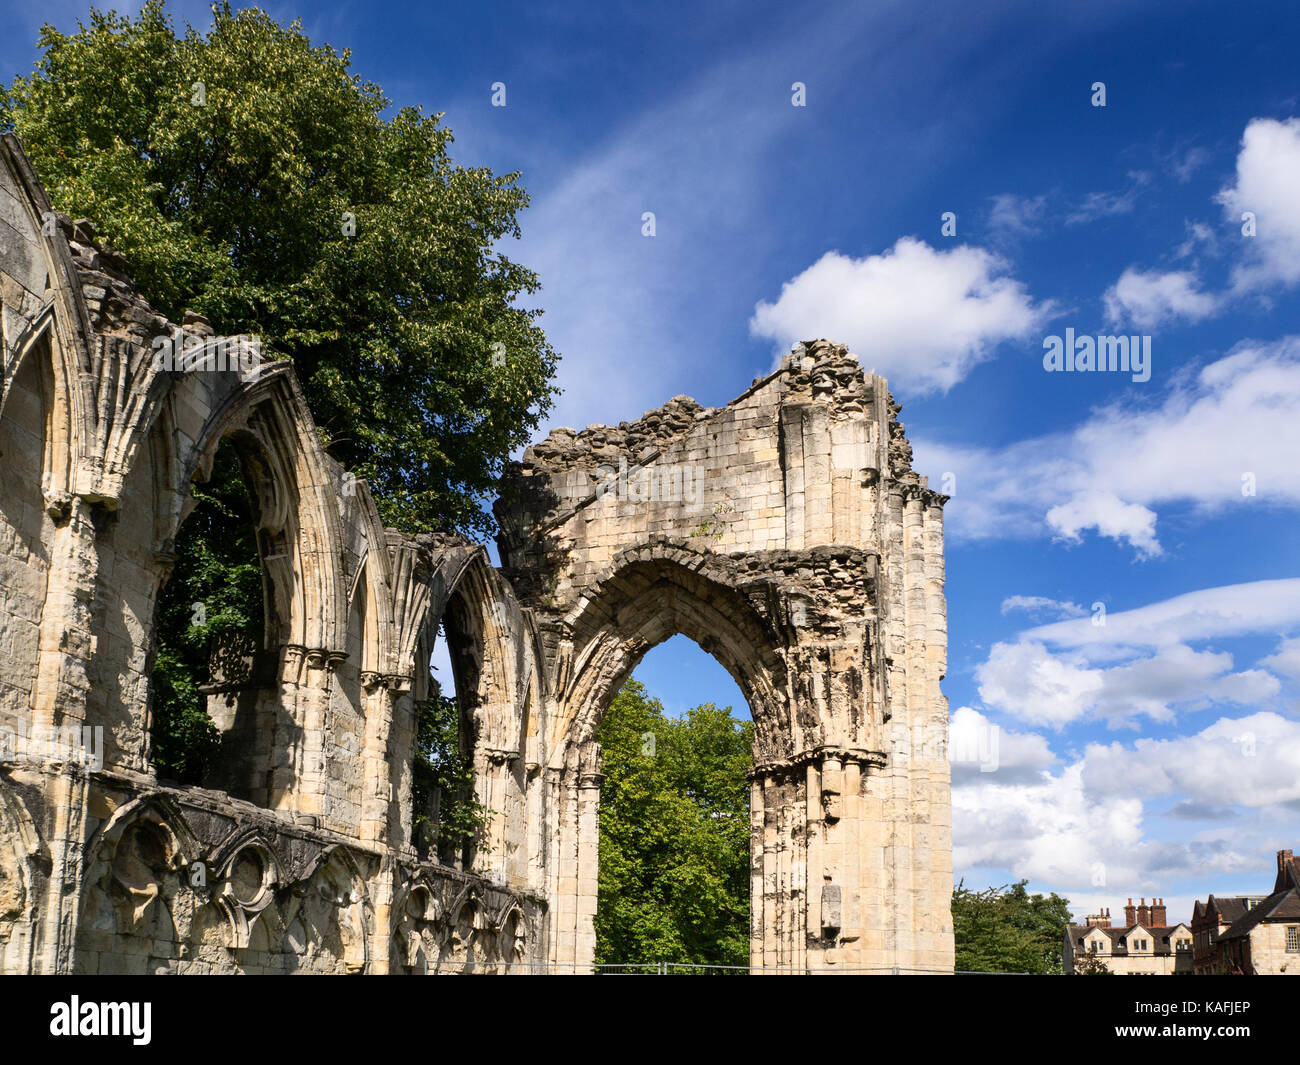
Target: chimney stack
[(1159, 917), (1144, 913), (1130, 915), (1283, 860)]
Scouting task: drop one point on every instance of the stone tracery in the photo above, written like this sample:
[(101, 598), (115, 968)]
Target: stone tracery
[(815, 577)]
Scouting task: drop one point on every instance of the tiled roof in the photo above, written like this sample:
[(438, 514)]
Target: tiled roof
[(1158, 934), (1230, 908), (1280, 906)]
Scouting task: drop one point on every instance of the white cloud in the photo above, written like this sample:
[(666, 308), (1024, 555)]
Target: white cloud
[(1199, 235), (1208, 613), (1250, 761), (1268, 174), (1236, 422), (977, 748), (1098, 205), (1050, 831), (1085, 830), (921, 317), (1028, 681), (1110, 516), (1057, 688), (1185, 166), (1037, 605), (1129, 664), (1286, 659), (1149, 299)]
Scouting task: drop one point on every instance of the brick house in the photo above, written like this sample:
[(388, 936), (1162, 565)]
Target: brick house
[(1265, 940), (1210, 919), (1145, 944)]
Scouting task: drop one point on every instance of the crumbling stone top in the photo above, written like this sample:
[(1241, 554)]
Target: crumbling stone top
[(814, 370), (115, 304), (822, 368), (597, 445)]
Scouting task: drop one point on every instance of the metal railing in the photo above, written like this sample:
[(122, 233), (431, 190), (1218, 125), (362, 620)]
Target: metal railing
[(672, 968)]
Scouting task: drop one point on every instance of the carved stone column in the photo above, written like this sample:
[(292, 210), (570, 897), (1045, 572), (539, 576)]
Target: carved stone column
[(576, 869), (67, 642), (376, 774)]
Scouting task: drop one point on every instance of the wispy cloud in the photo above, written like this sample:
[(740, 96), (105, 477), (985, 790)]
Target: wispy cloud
[(1147, 299), (1097, 205), (1225, 436)]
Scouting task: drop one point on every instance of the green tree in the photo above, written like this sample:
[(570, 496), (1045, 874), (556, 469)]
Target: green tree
[(674, 834), (252, 177), (1007, 930), (209, 611), (442, 768)]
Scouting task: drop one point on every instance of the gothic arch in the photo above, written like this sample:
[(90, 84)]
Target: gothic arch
[(494, 656), (60, 324), (647, 596), (296, 495)]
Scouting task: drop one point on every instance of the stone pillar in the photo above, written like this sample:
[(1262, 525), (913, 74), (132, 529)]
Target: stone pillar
[(757, 854), (588, 867), (66, 641), (376, 769), (792, 470), (67, 795), (400, 763), (557, 806), (781, 873), (59, 701), (816, 893), (575, 869), (379, 946)]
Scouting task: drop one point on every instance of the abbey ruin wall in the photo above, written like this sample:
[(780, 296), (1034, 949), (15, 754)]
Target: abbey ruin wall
[(786, 533)]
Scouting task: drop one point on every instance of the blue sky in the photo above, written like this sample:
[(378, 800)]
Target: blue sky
[(1159, 753)]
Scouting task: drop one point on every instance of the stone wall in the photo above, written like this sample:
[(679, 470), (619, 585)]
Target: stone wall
[(786, 533), (303, 860)]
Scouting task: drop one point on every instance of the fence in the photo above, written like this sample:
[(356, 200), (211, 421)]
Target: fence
[(672, 968)]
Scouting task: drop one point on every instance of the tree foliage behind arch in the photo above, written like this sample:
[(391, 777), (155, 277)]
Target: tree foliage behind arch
[(674, 834), (252, 177)]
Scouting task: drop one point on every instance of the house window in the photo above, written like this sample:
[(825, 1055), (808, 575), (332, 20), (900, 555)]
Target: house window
[(1293, 940)]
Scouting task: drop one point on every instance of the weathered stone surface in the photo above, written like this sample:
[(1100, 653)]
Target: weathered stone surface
[(785, 532)]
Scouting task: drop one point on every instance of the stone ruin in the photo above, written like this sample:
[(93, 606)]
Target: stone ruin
[(785, 533)]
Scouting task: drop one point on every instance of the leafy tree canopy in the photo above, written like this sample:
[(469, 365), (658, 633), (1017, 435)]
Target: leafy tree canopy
[(251, 177), (674, 834), (1007, 930)]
